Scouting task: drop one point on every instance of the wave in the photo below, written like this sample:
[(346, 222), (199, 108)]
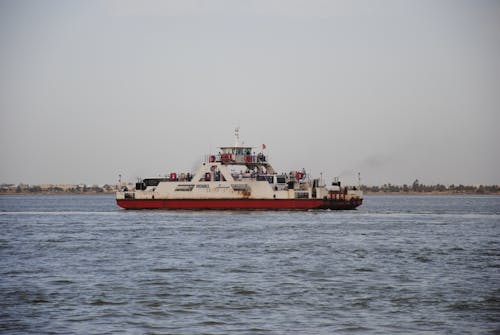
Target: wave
[(61, 213)]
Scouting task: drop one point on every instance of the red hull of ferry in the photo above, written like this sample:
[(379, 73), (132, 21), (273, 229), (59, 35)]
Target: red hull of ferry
[(230, 204)]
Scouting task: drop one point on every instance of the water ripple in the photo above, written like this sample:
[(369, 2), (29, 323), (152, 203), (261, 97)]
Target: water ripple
[(399, 264)]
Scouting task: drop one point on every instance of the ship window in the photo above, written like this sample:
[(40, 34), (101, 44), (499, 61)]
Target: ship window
[(301, 195), (281, 180), (202, 186), (184, 188), (240, 187), (153, 181), (267, 178)]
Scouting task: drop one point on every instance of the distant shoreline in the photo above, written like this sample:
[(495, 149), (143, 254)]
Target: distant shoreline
[(60, 188), (415, 189), (54, 193), (429, 193)]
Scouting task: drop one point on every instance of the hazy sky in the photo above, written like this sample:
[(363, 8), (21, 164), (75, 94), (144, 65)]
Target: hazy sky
[(396, 90)]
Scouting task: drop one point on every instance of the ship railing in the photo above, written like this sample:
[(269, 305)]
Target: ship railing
[(236, 159), (241, 175)]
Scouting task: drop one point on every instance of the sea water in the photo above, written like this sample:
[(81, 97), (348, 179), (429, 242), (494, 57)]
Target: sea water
[(78, 264)]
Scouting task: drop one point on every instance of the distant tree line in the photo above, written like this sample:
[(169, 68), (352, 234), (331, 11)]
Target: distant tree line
[(418, 187), (81, 188)]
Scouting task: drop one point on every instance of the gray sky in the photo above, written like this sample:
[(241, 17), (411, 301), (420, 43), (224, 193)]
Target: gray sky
[(397, 90)]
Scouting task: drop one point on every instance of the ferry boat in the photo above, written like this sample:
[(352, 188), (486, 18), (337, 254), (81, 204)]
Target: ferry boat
[(238, 179)]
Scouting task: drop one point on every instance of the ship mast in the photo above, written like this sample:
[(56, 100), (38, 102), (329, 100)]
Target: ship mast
[(237, 135)]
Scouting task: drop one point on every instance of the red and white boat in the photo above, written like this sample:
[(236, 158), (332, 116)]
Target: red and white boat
[(236, 178)]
